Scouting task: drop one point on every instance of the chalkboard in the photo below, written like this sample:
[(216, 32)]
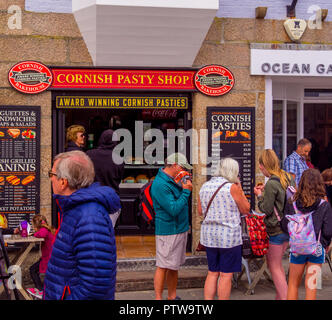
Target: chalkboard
[(19, 163), (231, 133)]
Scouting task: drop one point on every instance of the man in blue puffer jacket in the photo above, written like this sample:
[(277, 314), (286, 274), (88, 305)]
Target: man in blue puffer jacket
[(83, 261)]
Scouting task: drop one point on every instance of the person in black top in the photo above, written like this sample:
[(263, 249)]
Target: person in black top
[(75, 138), (109, 166), (327, 177), (309, 197)]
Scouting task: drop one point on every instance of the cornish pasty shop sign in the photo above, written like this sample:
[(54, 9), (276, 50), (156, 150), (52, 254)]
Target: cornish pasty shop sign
[(311, 63)]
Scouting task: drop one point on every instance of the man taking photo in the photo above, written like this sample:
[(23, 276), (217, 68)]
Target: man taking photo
[(170, 202)]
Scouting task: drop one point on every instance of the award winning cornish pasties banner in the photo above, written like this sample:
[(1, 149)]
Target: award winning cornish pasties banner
[(19, 162)]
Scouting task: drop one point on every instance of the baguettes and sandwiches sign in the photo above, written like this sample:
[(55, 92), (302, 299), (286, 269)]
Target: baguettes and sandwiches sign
[(19, 163)]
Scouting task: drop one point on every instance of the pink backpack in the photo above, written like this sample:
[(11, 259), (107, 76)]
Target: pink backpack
[(302, 233)]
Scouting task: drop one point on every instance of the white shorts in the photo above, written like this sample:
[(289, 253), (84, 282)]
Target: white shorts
[(171, 250)]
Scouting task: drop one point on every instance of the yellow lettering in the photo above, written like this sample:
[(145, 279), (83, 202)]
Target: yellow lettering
[(134, 79), (160, 79), (150, 78), (108, 78), (70, 78), (58, 78), (127, 80), (120, 78)]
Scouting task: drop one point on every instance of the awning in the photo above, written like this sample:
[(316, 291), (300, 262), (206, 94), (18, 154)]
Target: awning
[(163, 33)]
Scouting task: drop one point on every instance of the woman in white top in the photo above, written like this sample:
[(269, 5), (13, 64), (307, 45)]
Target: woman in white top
[(221, 228)]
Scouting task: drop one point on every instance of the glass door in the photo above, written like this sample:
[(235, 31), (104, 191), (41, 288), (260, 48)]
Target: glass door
[(285, 118)]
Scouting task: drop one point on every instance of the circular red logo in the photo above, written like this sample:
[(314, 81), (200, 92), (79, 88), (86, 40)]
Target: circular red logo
[(214, 80), (30, 77)]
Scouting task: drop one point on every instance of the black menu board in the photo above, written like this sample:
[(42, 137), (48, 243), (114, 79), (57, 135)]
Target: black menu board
[(231, 133), (19, 163)]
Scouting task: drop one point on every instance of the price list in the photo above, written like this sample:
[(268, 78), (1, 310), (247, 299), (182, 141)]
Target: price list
[(19, 163), (231, 133)]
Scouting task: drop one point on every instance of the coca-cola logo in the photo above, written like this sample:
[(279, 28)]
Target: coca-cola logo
[(160, 113)]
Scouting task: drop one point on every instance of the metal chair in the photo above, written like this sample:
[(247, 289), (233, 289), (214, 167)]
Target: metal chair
[(4, 267)]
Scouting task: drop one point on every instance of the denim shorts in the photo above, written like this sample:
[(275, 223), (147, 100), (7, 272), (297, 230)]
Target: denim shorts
[(279, 238), (304, 258), (224, 260)]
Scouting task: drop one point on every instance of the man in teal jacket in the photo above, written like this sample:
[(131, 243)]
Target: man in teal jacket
[(170, 202)]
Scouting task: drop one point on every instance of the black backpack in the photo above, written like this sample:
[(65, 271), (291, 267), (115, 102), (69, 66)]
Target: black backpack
[(146, 205)]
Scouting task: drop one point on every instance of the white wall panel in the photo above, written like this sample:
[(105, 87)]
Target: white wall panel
[(276, 8), (227, 9)]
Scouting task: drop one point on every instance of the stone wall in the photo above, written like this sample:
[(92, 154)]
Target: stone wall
[(52, 39)]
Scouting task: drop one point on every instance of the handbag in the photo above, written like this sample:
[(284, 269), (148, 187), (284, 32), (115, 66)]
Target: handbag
[(246, 244), (201, 247)]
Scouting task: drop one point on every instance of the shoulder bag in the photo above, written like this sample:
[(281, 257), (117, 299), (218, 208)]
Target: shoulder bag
[(200, 247)]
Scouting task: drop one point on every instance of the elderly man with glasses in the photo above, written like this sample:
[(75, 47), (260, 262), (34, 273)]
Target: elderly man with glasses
[(83, 261)]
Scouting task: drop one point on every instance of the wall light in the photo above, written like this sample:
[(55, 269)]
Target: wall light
[(261, 12), (324, 14)]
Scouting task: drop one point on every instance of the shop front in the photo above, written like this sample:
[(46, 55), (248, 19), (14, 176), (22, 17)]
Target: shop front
[(298, 98), (149, 110)]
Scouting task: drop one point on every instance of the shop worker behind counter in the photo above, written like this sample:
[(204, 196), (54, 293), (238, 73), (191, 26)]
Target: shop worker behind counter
[(109, 166), (170, 202), (83, 260), (75, 138)]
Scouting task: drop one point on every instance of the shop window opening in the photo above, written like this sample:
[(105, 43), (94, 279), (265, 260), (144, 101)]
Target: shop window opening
[(285, 128)]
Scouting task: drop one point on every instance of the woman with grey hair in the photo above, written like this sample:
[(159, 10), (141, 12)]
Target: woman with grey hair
[(222, 201)]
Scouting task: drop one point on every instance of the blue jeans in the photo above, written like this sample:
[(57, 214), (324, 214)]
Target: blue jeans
[(279, 238)]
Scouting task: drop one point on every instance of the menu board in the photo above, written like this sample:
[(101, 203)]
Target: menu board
[(19, 163), (231, 133)]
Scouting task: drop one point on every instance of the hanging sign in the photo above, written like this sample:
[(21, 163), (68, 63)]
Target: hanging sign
[(214, 80), (30, 77), (295, 28)]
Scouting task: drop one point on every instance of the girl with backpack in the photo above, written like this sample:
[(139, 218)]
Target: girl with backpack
[(309, 203), (271, 201)]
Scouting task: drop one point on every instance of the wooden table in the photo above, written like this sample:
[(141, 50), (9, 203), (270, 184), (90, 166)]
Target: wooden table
[(262, 271), (21, 255)]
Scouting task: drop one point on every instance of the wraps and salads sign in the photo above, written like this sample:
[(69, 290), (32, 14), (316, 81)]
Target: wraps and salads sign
[(231, 133), (214, 80), (19, 163), (30, 77)]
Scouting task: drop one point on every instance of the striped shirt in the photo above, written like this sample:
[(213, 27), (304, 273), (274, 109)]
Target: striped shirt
[(295, 164), (221, 227)]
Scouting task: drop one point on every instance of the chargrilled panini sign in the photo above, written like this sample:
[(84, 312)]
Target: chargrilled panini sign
[(122, 79), (19, 162)]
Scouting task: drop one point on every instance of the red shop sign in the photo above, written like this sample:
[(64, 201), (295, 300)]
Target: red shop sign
[(30, 77), (123, 79), (214, 80)]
